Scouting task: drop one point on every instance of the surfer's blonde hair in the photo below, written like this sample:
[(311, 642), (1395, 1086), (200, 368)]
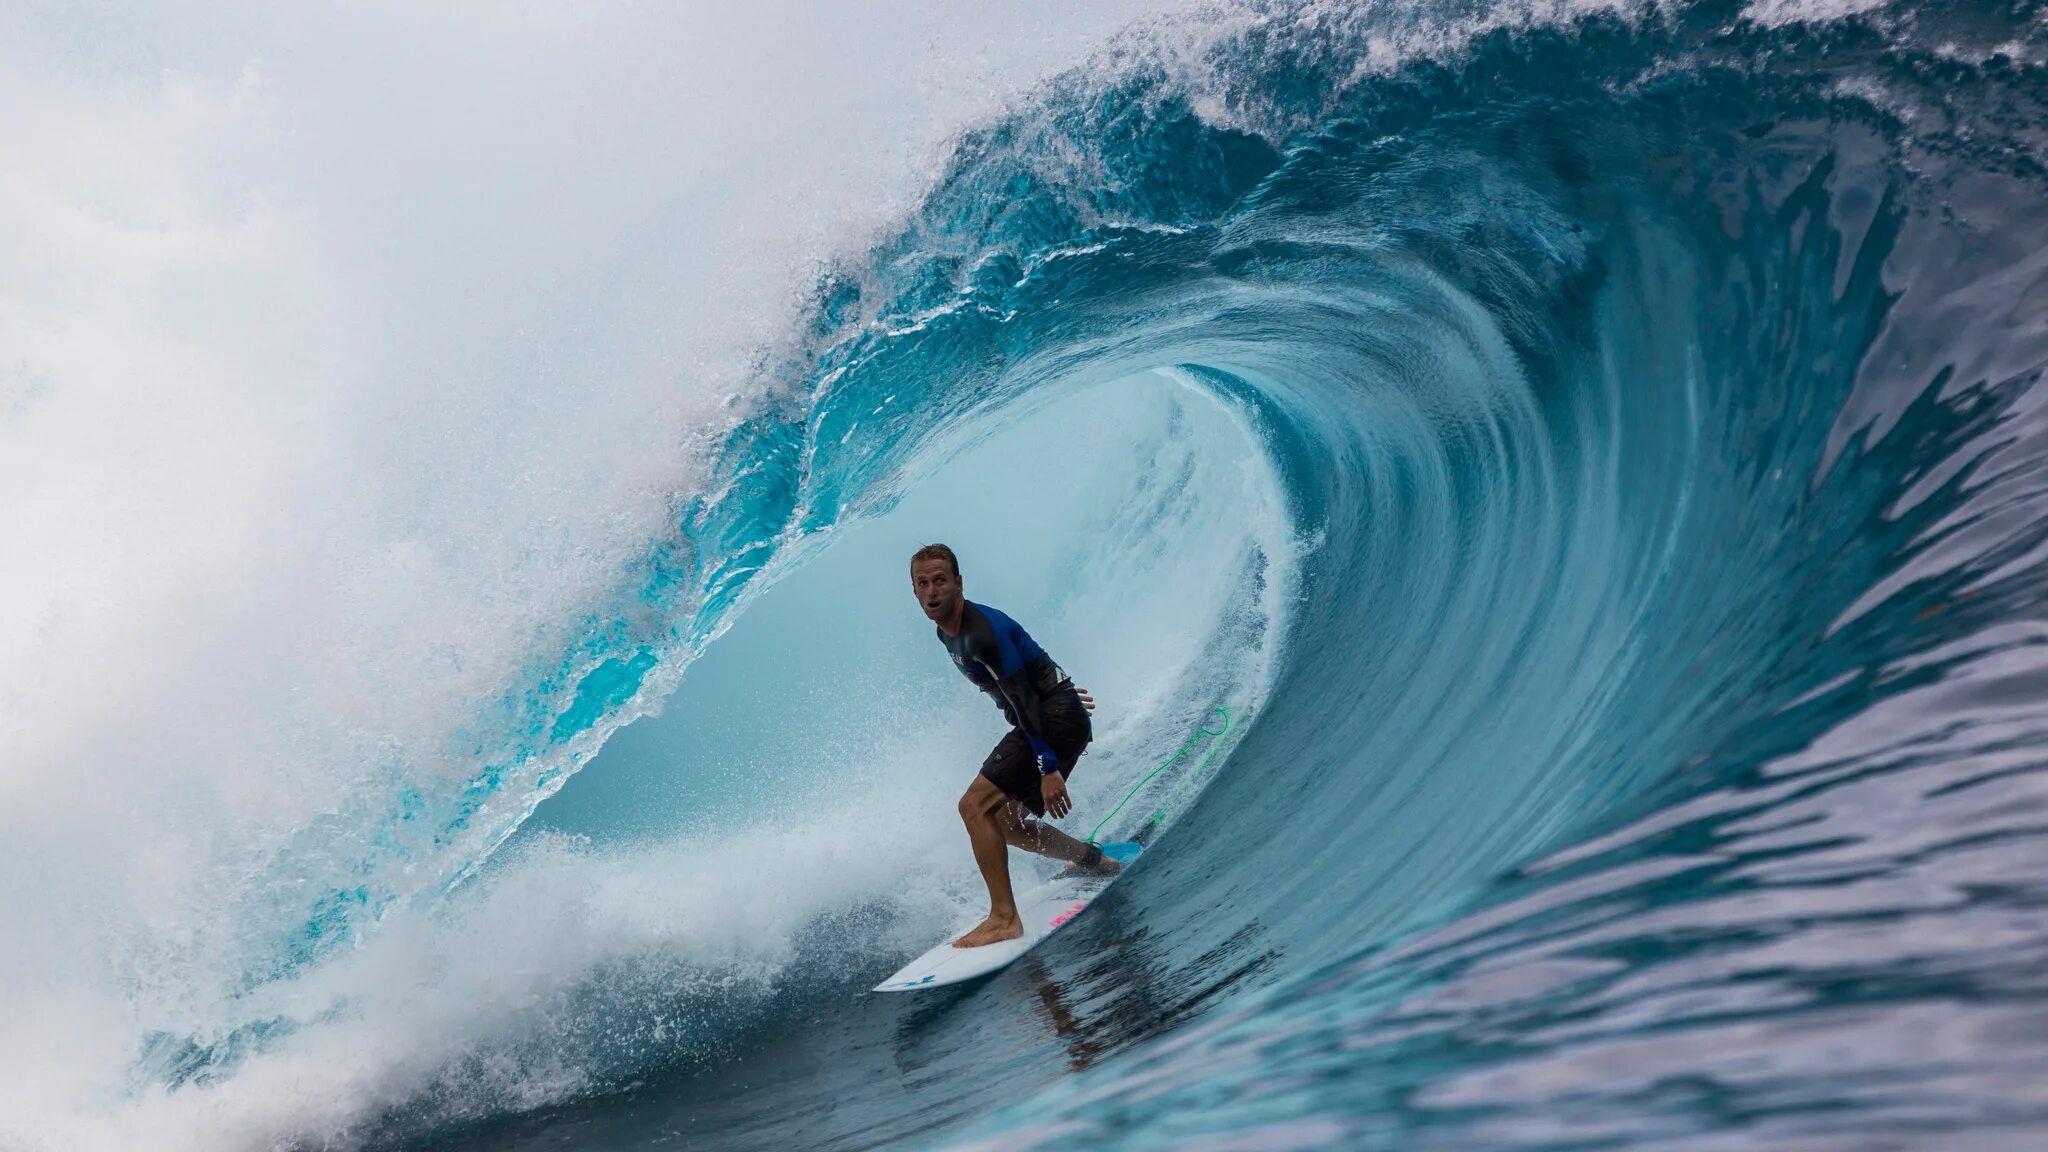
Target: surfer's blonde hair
[(937, 552)]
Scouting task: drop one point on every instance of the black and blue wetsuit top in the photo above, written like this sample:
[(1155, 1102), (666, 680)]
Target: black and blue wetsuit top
[(1004, 661)]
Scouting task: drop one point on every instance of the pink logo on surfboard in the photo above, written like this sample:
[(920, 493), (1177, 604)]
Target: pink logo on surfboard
[(1063, 917)]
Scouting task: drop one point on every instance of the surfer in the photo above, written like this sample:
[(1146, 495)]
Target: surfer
[(1024, 780)]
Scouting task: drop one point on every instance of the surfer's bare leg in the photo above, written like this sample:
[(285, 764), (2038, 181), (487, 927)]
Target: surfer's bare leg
[(982, 809), (1042, 838)]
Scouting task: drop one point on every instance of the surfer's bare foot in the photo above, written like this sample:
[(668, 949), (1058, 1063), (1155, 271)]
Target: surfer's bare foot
[(993, 930)]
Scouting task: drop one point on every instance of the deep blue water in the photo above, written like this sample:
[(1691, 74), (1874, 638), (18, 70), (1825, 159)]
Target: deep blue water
[(1598, 461)]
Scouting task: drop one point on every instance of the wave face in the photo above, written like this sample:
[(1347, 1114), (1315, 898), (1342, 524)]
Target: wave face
[(1613, 437)]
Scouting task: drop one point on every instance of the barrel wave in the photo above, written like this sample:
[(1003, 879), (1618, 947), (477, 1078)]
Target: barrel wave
[(1583, 465)]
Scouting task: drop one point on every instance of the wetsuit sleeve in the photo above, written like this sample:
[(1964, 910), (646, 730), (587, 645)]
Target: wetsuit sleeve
[(1023, 706), (980, 676)]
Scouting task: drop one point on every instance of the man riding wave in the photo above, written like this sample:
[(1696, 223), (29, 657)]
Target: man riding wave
[(1024, 780)]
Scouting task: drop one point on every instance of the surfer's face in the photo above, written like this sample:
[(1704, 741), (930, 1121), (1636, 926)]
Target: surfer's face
[(937, 588)]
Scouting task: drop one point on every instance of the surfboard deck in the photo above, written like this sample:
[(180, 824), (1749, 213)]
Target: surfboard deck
[(1044, 910)]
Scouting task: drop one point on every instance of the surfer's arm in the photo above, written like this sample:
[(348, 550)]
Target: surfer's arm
[(1027, 706), (1003, 703), (997, 667), (982, 678)]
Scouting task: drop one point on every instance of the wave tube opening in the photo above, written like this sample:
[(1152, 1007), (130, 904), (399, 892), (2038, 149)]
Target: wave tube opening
[(1621, 428), (1651, 395), (784, 828)]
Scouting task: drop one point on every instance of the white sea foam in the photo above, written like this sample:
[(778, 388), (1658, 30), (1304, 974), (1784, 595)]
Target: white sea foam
[(569, 958), (347, 360)]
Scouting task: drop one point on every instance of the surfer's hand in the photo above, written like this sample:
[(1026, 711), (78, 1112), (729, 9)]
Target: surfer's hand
[(1087, 701), (1053, 786)]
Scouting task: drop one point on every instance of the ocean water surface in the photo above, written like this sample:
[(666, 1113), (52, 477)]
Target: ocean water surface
[(1584, 463)]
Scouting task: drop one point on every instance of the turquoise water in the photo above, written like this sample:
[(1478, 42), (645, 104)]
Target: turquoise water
[(1596, 457)]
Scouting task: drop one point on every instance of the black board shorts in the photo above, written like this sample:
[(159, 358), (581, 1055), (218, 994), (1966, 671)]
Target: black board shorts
[(1013, 768)]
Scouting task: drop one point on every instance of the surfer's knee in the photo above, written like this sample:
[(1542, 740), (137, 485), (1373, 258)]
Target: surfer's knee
[(982, 801), (973, 808)]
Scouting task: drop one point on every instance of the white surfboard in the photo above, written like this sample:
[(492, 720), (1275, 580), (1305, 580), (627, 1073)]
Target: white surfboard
[(1044, 909)]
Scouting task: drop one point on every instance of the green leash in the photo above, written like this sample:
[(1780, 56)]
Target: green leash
[(1170, 761)]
